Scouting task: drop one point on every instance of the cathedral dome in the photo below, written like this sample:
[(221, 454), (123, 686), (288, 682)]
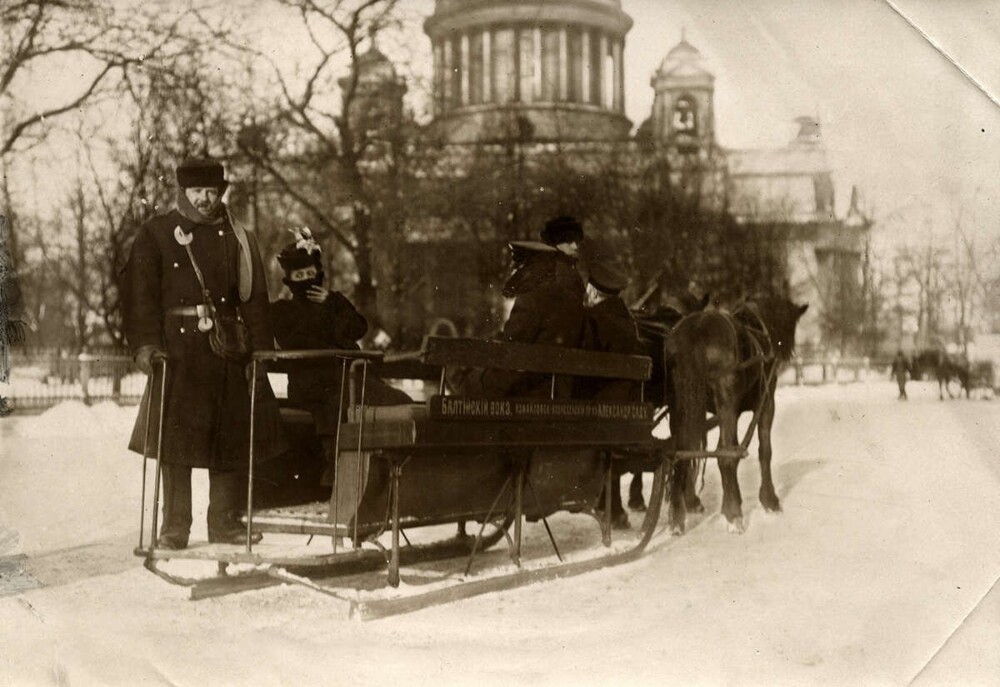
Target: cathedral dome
[(375, 67), (556, 64)]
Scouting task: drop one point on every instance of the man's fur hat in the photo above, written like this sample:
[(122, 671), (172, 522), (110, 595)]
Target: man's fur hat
[(201, 173)]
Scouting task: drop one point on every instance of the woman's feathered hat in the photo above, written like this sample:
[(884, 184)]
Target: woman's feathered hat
[(304, 251)]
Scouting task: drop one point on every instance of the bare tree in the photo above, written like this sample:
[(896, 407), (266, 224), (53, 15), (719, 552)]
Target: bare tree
[(308, 140), (40, 34)]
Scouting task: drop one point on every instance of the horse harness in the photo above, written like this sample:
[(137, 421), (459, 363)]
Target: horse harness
[(763, 354), (758, 337)]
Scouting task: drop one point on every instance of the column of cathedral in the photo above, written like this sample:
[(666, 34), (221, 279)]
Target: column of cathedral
[(500, 64)]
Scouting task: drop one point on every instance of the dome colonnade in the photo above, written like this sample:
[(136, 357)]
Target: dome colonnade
[(532, 55)]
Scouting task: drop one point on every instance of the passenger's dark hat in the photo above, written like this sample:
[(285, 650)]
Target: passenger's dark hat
[(562, 229), (607, 278), (304, 251), (201, 172)]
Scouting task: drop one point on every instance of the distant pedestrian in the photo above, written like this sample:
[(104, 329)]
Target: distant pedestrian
[(900, 372)]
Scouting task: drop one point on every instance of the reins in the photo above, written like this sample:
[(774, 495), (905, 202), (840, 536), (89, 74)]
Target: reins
[(770, 358)]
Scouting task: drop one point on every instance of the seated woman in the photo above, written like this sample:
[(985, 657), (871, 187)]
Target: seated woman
[(317, 318)]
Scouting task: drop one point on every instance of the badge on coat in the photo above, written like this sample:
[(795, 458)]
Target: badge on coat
[(181, 237)]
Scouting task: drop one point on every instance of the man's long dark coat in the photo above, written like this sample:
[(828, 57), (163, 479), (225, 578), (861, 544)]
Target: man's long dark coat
[(206, 421)]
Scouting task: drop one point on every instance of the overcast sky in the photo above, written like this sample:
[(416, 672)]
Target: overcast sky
[(899, 120)]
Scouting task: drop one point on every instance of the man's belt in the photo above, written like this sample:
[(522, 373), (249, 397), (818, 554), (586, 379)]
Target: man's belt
[(184, 311), (192, 311)]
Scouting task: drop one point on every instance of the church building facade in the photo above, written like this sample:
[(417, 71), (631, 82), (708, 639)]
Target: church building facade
[(550, 73)]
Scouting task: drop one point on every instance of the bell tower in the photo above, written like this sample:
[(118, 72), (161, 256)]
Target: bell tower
[(683, 107)]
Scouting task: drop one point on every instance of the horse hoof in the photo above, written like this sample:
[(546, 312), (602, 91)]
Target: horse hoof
[(736, 526), (676, 530), (695, 506), (637, 505)]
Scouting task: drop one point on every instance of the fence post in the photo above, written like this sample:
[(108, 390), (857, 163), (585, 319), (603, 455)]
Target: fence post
[(85, 360)]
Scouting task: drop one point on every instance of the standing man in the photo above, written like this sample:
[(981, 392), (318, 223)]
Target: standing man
[(206, 418), (611, 329), (900, 372)]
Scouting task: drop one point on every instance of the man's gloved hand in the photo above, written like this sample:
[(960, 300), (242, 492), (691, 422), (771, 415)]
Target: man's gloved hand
[(261, 372), (147, 357)]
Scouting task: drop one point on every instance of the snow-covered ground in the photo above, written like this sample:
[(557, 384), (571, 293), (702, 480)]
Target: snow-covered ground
[(878, 572)]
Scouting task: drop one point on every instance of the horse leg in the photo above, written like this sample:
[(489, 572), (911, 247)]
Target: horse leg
[(635, 498), (768, 498), (691, 500), (732, 501), (676, 515)]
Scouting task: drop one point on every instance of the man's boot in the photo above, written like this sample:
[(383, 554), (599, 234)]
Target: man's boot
[(176, 527), (223, 502)]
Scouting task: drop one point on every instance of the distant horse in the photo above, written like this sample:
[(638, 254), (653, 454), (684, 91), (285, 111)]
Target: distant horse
[(945, 367), (728, 363)]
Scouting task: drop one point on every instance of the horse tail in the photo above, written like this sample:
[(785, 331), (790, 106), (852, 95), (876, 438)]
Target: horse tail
[(691, 387)]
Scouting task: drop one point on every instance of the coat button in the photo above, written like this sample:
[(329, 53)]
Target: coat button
[(223, 299), (182, 330), (220, 232), (176, 265), (183, 301)]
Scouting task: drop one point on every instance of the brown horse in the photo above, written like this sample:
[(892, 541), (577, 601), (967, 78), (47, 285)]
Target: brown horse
[(728, 363), (654, 328)]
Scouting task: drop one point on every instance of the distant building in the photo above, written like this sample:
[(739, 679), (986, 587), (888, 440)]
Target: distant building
[(549, 74)]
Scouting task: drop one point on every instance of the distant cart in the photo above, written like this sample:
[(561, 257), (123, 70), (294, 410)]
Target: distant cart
[(982, 378)]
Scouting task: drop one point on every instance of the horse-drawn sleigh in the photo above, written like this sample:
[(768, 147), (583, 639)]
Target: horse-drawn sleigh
[(434, 466)]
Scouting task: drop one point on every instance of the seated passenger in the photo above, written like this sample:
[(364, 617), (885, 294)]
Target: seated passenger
[(548, 309), (610, 328), (317, 318)]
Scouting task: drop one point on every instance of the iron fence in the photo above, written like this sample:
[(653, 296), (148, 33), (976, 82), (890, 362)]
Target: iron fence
[(816, 370), (42, 378)]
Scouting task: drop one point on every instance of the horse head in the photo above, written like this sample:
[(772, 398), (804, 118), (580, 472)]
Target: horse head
[(780, 315)]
